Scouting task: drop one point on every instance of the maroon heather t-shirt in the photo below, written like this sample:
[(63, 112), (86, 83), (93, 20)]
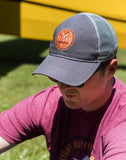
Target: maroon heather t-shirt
[(75, 131), (69, 133)]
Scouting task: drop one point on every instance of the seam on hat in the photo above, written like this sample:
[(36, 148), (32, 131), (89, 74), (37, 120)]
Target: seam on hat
[(74, 59), (97, 33), (112, 31), (73, 21)]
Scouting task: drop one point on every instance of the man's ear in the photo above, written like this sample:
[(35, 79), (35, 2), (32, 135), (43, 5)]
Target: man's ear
[(112, 68)]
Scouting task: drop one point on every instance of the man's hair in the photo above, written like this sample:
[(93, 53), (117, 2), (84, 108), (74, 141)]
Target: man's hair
[(103, 66)]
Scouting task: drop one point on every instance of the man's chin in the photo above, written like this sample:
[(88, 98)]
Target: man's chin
[(72, 105)]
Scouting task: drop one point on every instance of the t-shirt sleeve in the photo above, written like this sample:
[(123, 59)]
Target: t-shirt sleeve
[(115, 143), (29, 118)]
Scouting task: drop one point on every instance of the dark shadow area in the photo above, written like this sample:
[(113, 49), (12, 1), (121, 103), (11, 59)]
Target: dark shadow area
[(18, 51), (122, 67)]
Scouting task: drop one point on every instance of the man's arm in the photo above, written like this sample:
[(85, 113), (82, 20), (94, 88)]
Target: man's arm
[(4, 145)]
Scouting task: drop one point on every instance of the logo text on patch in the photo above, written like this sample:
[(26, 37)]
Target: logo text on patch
[(65, 39)]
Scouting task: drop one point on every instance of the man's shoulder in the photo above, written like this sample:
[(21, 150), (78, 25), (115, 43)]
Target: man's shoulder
[(44, 98), (47, 97), (50, 92)]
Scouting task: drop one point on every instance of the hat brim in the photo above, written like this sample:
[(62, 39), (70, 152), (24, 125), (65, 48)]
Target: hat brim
[(67, 71)]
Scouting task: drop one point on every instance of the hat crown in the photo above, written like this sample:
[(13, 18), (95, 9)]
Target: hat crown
[(78, 47), (84, 37)]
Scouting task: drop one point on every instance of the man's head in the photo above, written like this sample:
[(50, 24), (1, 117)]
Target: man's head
[(95, 92), (80, 44)]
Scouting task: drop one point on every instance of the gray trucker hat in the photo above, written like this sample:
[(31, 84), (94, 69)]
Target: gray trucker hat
[(79, 45)]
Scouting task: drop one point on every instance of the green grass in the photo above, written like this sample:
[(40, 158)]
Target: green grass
[(121, 70), (18, 59), (15, 86)]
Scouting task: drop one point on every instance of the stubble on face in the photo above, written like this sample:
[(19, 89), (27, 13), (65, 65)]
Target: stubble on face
[(70, 95), (93, 95)]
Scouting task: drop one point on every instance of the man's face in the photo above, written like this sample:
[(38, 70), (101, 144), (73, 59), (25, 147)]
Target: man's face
[(93, 95)]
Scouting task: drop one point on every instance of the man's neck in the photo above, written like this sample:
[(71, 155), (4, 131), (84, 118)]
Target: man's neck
[(96, 104)]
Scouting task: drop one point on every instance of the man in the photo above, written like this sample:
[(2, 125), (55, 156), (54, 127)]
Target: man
[(83, 116)]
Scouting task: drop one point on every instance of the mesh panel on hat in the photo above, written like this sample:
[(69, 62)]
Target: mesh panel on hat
[(107, 38)]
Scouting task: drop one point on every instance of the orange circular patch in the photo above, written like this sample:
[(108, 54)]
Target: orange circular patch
[(64, 39)]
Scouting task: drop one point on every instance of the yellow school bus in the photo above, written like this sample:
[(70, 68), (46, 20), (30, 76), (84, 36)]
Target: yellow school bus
[(37, 19)]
